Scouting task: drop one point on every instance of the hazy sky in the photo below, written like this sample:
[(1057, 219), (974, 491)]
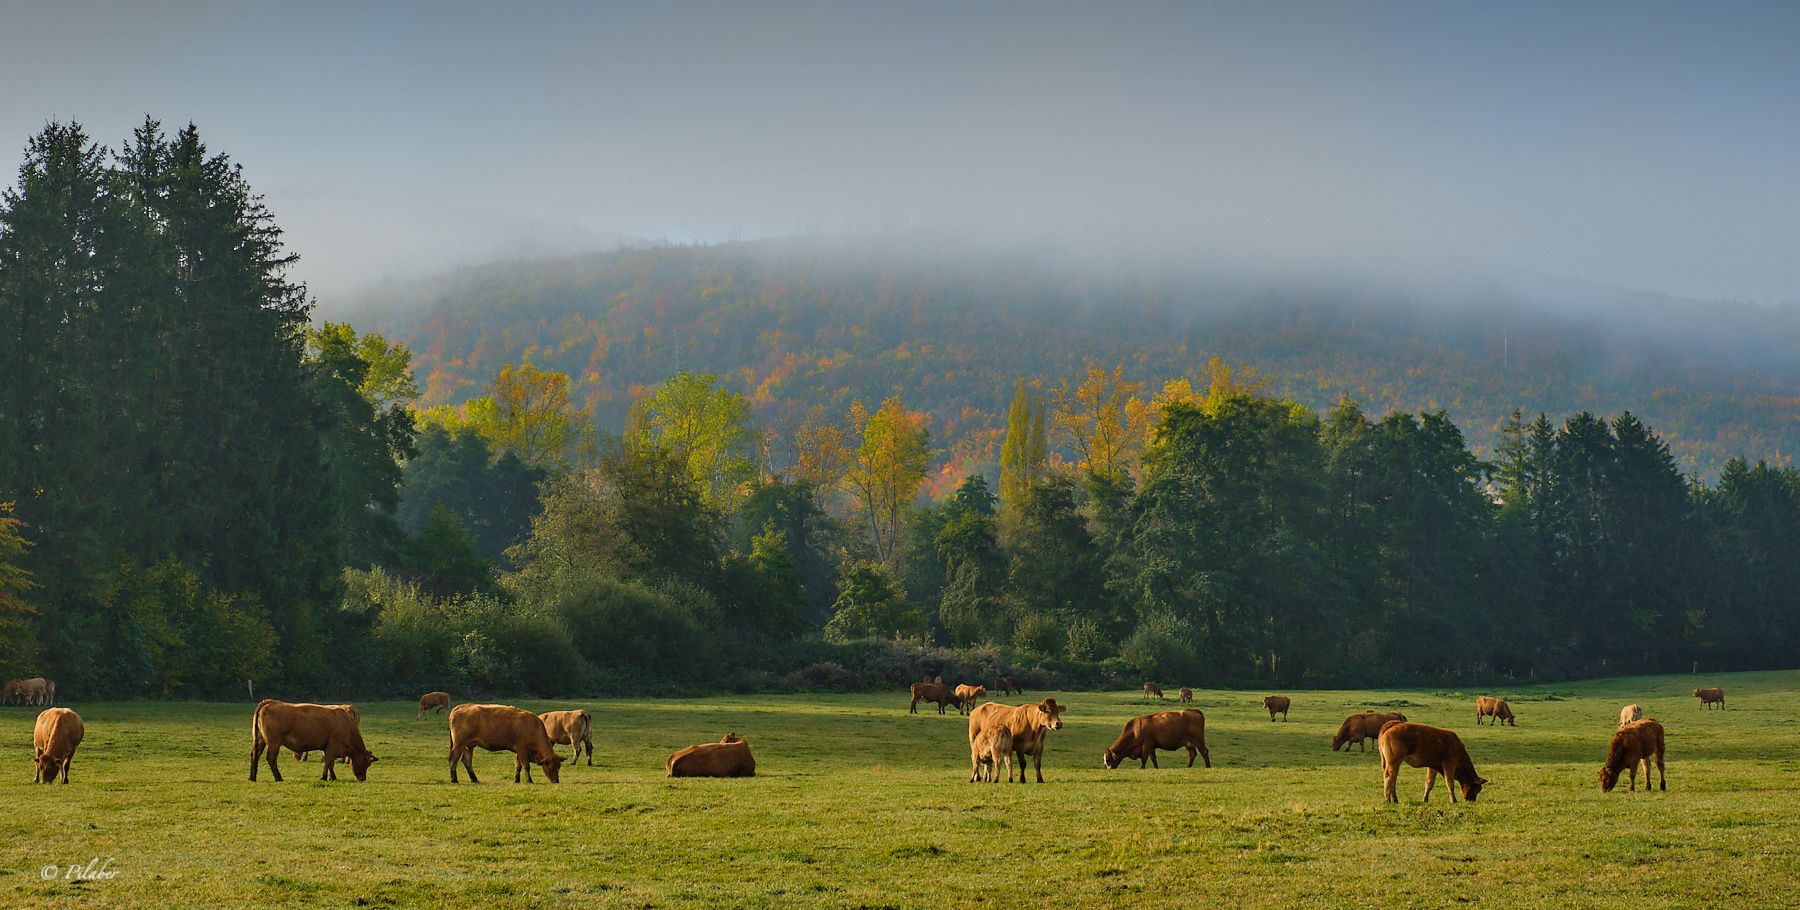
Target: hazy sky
[(1639, 144)]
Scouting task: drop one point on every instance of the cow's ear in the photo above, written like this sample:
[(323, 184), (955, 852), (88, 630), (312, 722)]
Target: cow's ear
[(373, 759), (1061, 708), (1483, 781)]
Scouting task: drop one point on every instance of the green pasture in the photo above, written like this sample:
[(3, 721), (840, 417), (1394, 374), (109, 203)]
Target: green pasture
[(857, 803)]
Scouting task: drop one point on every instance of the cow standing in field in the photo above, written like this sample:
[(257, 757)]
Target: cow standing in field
[(501, 728), (573, 728), (1630, 714), (1496, 708), (1276, 704), (1360, 728), (433, 701), (729, 757), (1169, 730), (14, 688), (36, 691), (967, 696), (1151, 688), (1186, 695), (1710, 697), (937, 692), (334, 729), (1633, 745), (1008, 685), (53, 742), (300, 755), (1433, 748), (1027, 724), (991, 749)]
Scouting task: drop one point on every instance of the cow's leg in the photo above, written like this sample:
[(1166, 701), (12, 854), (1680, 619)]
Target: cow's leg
[(453, 758), (256, 753), (1431, 781), (1191, 753), (1634, 767), (274, 753), (1390, 781), (914, 707), (1037, 762), (1661, 778), (469, 764), (590, 750), (1153, 763)]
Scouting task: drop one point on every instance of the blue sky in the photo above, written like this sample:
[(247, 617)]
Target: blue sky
[(1644, 145)]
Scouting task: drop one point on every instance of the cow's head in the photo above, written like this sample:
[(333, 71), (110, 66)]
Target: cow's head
[(732, 738), (360, 762), (980, 691), (1338, 740), (1472, 789), (1609, 778), (1110, 759), (552, 767), (1052, 713), (1696, 693)]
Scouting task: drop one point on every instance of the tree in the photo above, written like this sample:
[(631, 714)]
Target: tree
[(493, 498), (18, 648), (886, 471), (707, 430), (1101, 420), (527, 413), (872, 605)]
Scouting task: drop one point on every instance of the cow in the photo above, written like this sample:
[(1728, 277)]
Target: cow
[(1711, 697), (53, 742), (1630, 714), (1151, 688), (1633, 745), (967, 696), (1496, 708), (1433, 748), (1028, 725), (937, 692), (1187, 695), (1276, 704), (573, 728), (501, 728), (14, 688), (36, 691), (1008, 685), (991, 749), (729, 757), (335, 729), (1169, 730), (433, 701), (1360, 728), (300, 755)]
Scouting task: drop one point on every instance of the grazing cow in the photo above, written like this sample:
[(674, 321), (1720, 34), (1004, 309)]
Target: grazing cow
[(1633, 745), (729, 757), (433, 701), (988, 751), (1496, 708), (1008, 685), (1359, 728), (1630, 714), (1711, 697), (501, 728), (967, 696), (1028, 725), (1151, 688), (335, 729), (1433, 748), (53, 743), (1187, 695), (938, 692), (573, 728), (1276, 704), (300, 755), (1169, 730)]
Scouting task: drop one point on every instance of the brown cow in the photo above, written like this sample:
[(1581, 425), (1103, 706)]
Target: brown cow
[(14, 688), (1711, 697), (36, 691), (1151, 688), (1187, 695), (1169, 730), (1633, 745), (1359, 728), (1630, 714), (1276, 704), (573, 728), (300, 755), (433, 701), (1008, 685), (1028, 725), (938, 692), (967, 696), (53, 742), (1432, 748), (729, 757), (1496, 708), (501, 728), (335, 729), (992, 748)]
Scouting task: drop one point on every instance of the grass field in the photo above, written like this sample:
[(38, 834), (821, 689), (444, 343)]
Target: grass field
[(858, 804)]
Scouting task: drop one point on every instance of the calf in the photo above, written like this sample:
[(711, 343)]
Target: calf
[(967, 696), (37, 690), (335, 729), (433, 701), (1275, 704), (1633, 745), (1028, 725), (572, 728), (1496, 708), (988, 751), (1711, 697), (1359, 728), (501, 728), (1151, 688), (729, 757), (1435, 749), (937, 692), (1630, 714), (1169, 730), (1009, 685), (53, 742), (1187, 695)]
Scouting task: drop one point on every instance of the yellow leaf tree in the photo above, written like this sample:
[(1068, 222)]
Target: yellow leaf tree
[(885, 471), (1102, 420), (527, 412), (706, 428)]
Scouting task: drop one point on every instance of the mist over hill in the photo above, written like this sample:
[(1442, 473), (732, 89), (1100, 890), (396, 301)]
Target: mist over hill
[(802, 322)]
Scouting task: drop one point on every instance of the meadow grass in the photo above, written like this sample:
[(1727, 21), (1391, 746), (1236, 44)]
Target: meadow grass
[(856, 803)]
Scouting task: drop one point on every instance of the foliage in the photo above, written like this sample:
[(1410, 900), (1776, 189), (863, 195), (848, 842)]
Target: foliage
[(706, 429), (527, 413), (494, 498), (887, 470), (871, 605)]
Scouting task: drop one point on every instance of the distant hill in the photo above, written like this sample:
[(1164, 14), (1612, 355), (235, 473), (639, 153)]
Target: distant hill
[(791, 324)]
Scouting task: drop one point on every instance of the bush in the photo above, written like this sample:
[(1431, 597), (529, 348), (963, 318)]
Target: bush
[(628, 623), (1162, 646)]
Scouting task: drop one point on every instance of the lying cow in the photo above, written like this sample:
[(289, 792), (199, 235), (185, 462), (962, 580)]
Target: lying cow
[(967, 696), (1151, 688), (937, 692), (53, 742), (729, 757), (571, 728), (1711, 697), (1433, 748), (1008, 685), (1633, 745), (1630, 714), (1186, 695), (501, 728), (334, 729), (433, 701), (1359, 728), (1027, 724), (989, 751), (1169, 730), (1496, 708), (1276, 704)]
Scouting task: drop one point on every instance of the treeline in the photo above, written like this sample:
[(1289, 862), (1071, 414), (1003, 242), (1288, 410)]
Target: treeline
[(203, 488)]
